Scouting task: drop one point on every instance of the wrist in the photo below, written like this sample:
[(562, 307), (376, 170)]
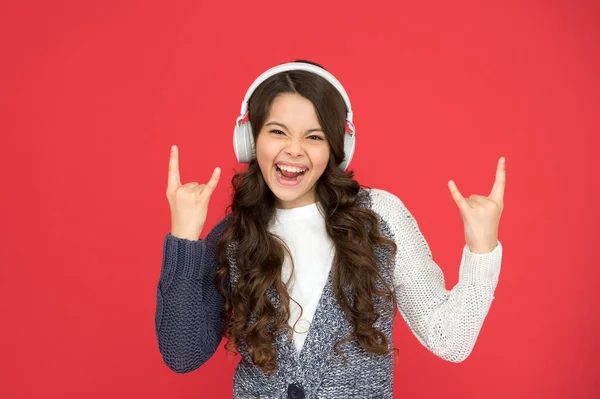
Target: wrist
[(191, 237), (482, 250)]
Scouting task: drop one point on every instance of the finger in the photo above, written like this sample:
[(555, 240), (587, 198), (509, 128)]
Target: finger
[(457, 196), (212, 183), (497, 193), (174, 178)]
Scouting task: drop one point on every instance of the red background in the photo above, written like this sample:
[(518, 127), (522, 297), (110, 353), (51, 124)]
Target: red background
[(93, 94)]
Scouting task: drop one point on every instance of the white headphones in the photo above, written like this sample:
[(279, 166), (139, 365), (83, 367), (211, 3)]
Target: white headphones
[(243, 141)]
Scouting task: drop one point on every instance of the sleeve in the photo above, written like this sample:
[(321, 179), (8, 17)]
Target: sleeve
[(188, 322), (447, 322)]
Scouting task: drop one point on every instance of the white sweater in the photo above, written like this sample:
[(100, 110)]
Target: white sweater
[(419, 281)]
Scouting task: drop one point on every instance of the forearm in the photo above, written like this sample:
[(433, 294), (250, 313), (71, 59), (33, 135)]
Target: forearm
[(188, 312), (452, 326)]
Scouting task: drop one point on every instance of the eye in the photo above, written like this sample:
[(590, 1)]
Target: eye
[(277, 131), (316, 137)]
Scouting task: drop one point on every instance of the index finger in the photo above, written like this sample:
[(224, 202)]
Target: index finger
[(497, 192), (174, 179)]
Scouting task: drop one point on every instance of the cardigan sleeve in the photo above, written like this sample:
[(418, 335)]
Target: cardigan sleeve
[(447, 322), (188, 321)]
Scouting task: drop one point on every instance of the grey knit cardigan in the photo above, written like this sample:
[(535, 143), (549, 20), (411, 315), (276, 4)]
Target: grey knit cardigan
[(189, 327), (189, 330)]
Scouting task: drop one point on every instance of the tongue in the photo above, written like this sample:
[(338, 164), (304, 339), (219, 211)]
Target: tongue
[(289, 175)]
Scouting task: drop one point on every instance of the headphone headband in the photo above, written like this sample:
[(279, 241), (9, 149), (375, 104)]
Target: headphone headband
[(294, 66), (243, 140)]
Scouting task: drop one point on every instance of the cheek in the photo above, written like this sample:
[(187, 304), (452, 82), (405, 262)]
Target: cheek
[(265, 153), (321, 159)]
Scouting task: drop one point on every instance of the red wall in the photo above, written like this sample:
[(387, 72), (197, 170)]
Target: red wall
[(93, 95)]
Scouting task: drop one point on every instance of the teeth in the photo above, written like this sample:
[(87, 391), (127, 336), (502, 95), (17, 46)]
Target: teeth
[(292, 169), (297, 177)]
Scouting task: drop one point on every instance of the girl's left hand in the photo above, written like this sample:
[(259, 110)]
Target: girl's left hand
[(481, 214)]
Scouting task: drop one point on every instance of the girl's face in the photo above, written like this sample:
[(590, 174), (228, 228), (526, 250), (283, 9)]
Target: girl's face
[(292, 151)]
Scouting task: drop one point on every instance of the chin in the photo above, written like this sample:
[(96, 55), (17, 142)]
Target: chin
[(286, 194), (288, 198)]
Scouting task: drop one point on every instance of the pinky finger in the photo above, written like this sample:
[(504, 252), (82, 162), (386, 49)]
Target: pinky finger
[(212, 183), (456, 195)]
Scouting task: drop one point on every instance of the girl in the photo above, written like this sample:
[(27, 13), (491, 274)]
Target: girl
[(304, 274)]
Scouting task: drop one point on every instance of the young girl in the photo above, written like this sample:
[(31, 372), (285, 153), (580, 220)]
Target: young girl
[(305, 273)]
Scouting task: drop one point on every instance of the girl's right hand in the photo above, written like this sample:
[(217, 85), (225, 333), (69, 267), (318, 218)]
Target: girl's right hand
[(188, 202)]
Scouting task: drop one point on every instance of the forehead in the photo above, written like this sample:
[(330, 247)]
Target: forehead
[(293, 110)]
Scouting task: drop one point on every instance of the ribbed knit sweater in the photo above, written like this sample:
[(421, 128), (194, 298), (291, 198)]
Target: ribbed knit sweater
[(446, 322)]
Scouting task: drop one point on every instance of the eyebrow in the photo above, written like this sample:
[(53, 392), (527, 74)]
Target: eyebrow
[(286, 128)]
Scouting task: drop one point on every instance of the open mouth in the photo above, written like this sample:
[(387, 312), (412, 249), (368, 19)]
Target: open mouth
[(290, 173)]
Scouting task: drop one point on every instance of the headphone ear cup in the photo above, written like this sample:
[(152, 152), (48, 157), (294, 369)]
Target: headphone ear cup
[(349, 145), (243, 143)]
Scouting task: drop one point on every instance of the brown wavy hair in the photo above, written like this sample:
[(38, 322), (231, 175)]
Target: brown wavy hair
[(259, 254)]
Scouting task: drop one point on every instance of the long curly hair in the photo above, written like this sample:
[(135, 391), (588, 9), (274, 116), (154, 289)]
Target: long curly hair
[(259, 254)]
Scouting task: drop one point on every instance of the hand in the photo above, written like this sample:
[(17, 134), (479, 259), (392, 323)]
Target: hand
[(481, 214), (188, 202)]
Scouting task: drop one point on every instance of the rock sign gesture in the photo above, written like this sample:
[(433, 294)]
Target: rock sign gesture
[(188, 202), (481, 214)]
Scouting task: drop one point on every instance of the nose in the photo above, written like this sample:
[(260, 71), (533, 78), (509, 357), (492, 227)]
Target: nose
[(294, 147)]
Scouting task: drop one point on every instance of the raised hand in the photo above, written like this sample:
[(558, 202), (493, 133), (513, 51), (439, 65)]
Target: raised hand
[(481, 214), (188, 202)]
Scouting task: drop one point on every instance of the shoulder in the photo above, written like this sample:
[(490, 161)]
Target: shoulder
[(385, 203), (397, 220), (390, 209)]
